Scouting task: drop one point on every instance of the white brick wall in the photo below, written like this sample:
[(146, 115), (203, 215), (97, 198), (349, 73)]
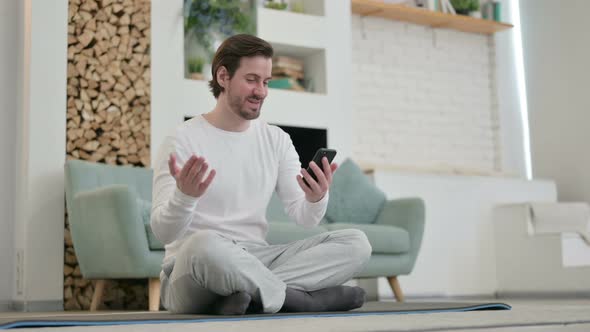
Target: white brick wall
[(424, 98)]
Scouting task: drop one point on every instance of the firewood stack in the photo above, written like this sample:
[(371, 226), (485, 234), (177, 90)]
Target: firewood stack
[(109, 81), (108, 116)]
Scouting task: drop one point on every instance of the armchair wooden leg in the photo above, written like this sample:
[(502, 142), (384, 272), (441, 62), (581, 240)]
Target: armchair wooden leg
[(397, 291), (97, 296), (154, 294)]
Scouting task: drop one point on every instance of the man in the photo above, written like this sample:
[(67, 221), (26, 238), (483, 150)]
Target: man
[(213, 179)]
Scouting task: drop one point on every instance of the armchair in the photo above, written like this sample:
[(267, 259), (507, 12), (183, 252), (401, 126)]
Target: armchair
[(108, 225), (394, 227)]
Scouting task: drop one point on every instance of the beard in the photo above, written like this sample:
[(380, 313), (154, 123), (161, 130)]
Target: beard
[(239, 106)]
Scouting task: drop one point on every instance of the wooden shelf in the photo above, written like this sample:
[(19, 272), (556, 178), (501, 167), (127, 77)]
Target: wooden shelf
[(426, 17)]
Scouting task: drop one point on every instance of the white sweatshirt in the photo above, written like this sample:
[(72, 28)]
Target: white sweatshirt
[(250, 165)]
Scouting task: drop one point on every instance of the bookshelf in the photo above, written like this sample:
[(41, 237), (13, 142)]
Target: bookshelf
[(300, 35), (426, 17)]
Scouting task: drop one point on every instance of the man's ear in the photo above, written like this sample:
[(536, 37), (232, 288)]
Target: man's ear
[(222, 76)]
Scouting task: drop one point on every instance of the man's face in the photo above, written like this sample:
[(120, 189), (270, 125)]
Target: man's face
[(249, 86)]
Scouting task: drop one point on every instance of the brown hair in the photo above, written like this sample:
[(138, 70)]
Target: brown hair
[(231, 51)]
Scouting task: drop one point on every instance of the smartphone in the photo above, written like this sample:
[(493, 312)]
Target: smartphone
[(317, 158)]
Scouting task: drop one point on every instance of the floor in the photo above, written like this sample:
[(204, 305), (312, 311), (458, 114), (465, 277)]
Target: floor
[(526, 316)]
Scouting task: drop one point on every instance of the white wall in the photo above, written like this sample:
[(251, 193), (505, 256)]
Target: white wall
[(8, 110), (458, 250), (38, 230), (424, 98), (556, 53), (410, 80)]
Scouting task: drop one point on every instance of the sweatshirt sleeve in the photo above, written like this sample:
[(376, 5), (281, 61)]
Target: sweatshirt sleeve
[(305, 213), (171, 209)]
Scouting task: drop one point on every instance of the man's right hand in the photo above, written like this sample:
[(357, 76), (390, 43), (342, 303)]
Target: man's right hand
[(189, 179)]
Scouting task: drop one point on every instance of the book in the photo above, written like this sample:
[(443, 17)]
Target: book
[(285, 83), (287, 72), (287, 62)]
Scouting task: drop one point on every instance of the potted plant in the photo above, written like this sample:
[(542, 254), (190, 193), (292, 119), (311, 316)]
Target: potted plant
[(279, 5), (195, 68), (464, 7), (208, 22)]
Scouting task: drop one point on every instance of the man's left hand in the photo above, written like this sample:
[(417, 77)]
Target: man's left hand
[(316, 190)]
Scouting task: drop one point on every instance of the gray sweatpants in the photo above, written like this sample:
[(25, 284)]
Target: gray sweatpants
[(209, 265)]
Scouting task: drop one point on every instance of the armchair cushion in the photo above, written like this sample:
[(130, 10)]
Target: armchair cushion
[(145, 210), (108, 223), (353, 198), (384, 239)]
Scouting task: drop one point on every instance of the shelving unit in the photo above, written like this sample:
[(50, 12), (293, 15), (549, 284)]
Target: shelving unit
[(426, 17), (308, 41), (314, 63), (316, 36)]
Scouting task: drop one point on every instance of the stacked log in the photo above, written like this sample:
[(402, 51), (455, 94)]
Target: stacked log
[(108, 107), (122, 294), (108, 115)]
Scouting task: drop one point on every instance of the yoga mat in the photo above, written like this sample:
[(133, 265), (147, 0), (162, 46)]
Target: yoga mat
[(129, 318)]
